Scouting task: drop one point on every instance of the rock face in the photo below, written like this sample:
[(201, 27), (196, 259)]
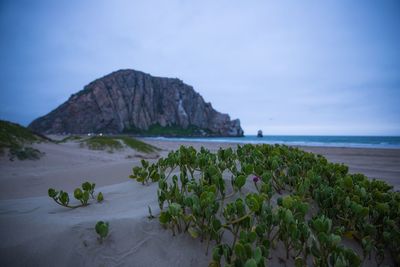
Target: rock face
[(133, 101)]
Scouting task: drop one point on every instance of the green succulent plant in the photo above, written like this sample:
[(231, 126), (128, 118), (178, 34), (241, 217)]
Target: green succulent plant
[(102, 229), (319, 204), (82, 194), (100, 197)]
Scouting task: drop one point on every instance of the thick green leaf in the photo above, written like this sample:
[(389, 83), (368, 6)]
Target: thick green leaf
[(248, 169), (257, 255), (251, 237), (174, 209), (52, 193), (240, 181), (193, 232), (252, 203), (101, 229), (251, 263), (164, 217), (287, 202), (348, 182), (240, 251), (85, 197), (299, 262), (334, 239), (86, 186), (100, 197), (239, 206), (78, 194), (217, 253), (64, 198), (216, 224)]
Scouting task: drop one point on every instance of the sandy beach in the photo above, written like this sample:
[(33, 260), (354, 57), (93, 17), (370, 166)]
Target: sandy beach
[(35, 231), (67, 165)]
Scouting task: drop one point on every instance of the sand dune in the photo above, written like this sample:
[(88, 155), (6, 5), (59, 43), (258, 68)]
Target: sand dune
[(35, 231), (38, 232), (64, 166)]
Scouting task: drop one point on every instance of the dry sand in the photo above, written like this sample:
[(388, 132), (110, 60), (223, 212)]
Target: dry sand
[(35, 231)]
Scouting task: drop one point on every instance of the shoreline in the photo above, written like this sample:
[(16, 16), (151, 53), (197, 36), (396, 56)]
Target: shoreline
[(279, 140)]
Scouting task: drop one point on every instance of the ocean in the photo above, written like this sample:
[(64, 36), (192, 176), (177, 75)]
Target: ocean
[(301, 140)]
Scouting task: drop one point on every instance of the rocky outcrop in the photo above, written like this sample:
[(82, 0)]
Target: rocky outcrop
[(133, 101)]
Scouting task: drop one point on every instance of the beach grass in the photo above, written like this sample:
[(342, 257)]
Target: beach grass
[(23, 153), (112, 143), (138, 145), (102, 143), (15, 137), (69, 138)]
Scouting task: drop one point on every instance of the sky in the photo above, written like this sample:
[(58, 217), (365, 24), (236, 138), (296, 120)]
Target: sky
[(287, 67)]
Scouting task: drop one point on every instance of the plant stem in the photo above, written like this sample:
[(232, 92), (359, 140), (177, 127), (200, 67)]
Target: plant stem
[(235, 236), (226, 197), (68, 206), (238, 219), (208, 244)]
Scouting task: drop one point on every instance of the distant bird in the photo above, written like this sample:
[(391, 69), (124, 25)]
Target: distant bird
[(259, 133)]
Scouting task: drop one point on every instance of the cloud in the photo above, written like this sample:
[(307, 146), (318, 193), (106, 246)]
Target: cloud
[(312, 67)]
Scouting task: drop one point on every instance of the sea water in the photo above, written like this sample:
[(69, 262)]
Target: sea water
[(301, 140)]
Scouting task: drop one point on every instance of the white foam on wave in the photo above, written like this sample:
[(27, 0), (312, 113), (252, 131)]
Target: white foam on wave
[(244, 140)]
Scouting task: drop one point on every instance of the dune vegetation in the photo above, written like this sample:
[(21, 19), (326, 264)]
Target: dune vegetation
[(102, 143), (82, 194), (248, 202), (114, 143), (102, 229), (138, 145), (16, 138), (69, 138)]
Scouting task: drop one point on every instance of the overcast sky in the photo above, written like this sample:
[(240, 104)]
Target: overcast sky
[(286, 67)]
